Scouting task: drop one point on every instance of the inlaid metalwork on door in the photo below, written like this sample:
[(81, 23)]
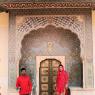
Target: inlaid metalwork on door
[(47, 76)]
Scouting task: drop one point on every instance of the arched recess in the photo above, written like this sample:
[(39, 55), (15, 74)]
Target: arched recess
[(52, 41)]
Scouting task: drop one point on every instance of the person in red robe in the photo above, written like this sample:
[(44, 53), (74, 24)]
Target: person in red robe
[(62, 80), (24, 83)]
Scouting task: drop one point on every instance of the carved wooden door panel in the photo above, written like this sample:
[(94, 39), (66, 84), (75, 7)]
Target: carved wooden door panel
[(47, 76)]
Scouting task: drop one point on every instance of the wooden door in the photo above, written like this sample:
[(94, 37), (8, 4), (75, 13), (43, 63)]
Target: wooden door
[(47, 76)]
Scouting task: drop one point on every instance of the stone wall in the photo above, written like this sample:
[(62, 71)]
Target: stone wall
[(4, 53)]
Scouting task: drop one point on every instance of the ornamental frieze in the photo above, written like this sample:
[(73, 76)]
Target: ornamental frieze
[(37, 5)]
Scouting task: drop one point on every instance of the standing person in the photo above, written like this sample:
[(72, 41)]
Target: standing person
[(62, 80), (23, 83)]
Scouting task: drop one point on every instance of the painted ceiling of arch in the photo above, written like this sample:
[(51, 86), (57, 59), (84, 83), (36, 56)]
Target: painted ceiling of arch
[(46, 0)]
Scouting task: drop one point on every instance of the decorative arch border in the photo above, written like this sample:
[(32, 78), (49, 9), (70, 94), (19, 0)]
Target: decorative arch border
[(74, 23)]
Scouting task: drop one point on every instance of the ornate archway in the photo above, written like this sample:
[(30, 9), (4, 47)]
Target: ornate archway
[(74, 23), (52, 41)]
